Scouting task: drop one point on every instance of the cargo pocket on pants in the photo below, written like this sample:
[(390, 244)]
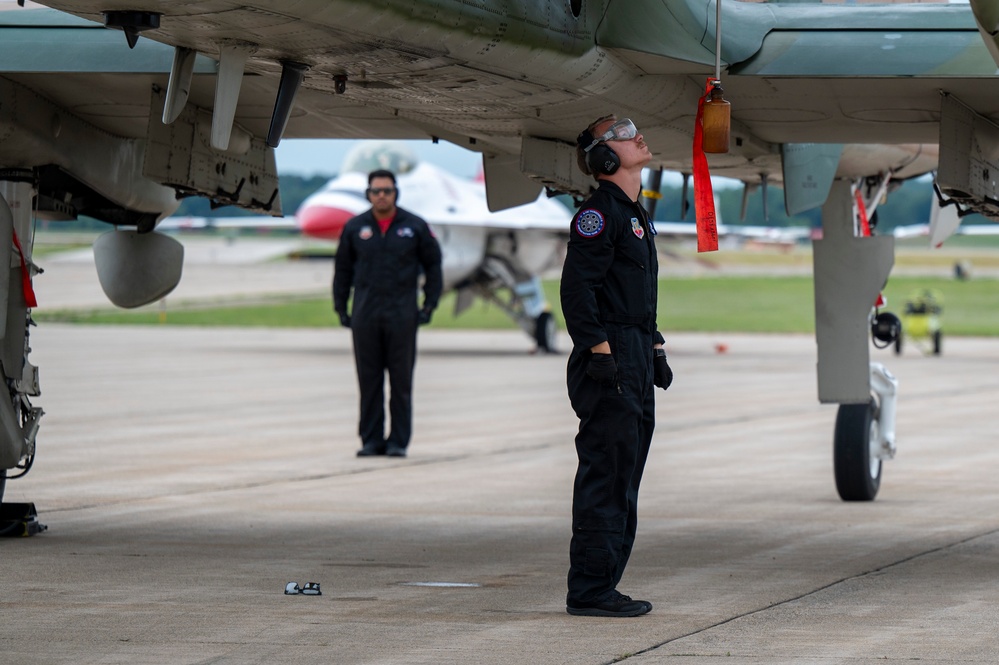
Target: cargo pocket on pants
[(597, 562)]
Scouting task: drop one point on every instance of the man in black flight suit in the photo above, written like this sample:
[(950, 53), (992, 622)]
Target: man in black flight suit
[(609, 291), (381, 255)]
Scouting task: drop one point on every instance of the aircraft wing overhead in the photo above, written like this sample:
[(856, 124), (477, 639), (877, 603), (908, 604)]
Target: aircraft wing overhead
[(409, 71), (519, 81)]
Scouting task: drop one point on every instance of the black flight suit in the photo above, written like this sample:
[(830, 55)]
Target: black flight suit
[(384, 271), (609, 291)]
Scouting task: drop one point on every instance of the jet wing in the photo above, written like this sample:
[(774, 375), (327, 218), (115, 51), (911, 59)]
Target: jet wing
[(782, 235), (486, 73), (94, 72), (249, 223), (518, 84)]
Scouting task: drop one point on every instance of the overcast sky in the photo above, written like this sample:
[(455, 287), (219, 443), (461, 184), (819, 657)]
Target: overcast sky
[(308, 157)]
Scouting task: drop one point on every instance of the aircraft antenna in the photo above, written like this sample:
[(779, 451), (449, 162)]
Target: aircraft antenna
[(716, 110), (718, 40)]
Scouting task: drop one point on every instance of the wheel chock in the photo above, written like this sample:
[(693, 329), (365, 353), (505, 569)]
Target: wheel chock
[(19, 520)]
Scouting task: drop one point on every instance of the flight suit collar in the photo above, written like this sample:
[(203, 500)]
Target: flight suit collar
[(611, 188)]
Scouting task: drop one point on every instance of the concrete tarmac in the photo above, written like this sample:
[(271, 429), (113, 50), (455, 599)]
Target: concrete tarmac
[(187, 475)]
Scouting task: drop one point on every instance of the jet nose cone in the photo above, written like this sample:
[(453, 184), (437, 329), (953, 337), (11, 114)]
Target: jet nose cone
[(320, 221)]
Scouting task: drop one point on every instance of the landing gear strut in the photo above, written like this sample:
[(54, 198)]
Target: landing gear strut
[(18, 418), (850, 271), (518, 294)]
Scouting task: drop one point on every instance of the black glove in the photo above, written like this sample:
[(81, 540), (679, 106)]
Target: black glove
[(602, 368), (344, 319), (423, 316), (663, 374)]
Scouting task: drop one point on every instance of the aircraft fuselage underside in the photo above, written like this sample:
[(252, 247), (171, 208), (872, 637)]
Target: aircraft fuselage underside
[(507, 79)]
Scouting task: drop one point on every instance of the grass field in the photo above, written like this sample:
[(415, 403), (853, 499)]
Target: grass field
[(777, 304)]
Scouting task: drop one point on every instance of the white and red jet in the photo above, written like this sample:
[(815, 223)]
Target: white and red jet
[(497, 256)]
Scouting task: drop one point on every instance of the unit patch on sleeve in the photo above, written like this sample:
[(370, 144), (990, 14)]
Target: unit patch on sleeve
[(589, 223)]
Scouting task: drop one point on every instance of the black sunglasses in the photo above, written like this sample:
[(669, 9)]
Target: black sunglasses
[(375, 191)]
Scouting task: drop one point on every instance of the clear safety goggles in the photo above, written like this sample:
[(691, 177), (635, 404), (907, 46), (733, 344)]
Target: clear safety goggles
[(622, 130)]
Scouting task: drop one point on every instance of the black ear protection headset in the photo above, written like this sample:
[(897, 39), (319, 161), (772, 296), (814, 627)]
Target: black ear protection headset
[(600, 158)]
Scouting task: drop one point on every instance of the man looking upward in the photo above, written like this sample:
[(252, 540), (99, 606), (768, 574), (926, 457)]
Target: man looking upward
[(609, 292)]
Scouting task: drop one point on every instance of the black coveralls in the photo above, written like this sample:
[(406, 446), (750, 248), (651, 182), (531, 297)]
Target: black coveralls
[(609, 292), (384, 271)]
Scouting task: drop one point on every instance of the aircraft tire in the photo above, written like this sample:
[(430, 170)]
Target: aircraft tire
[(544, 332), (857, 470)]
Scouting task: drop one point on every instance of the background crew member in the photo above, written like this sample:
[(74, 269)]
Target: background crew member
[(380, 255), (609, 293)]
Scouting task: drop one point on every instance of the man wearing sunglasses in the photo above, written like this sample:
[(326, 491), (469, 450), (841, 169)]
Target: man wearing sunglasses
[(381, 254), (609, 294)]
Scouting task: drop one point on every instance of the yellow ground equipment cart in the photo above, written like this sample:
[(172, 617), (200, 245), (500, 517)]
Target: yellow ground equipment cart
[(921, 321)]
